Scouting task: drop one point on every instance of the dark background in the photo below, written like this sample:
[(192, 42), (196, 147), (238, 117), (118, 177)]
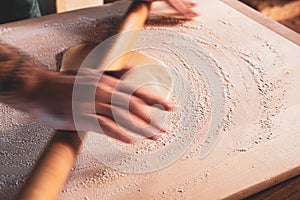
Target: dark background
[(287, 12)]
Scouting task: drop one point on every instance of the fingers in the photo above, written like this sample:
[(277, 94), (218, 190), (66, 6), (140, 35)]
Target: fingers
[(129, 121), (183, 7), (121, 94), (110, 128), (153, 100), (190, 4), (118, 73), (148, 98), (138, 106), (131, 104), (104, 125)]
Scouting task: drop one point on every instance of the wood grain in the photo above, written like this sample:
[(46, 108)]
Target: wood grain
[(289, 189), (264, 20), (225, 172)]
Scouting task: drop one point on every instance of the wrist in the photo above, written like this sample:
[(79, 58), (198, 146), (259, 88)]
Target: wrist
[(35, 84)]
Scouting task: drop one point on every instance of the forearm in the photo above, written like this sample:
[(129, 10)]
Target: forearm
[(18, 76)]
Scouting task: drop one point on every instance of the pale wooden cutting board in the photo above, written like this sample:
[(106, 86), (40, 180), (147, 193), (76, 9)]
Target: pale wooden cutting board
[(241, 163)]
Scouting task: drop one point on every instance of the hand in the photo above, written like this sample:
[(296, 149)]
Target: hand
[(184, 7), (51, 102)]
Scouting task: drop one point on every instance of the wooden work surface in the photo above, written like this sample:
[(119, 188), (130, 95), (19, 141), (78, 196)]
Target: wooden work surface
[(241, 163)]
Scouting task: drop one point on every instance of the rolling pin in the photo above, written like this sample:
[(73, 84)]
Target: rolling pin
[(53, 168)]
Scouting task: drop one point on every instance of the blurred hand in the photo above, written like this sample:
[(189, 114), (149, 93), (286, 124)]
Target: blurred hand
[(184, 7), (51, 102)]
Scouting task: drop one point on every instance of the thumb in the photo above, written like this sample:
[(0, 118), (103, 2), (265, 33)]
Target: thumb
[(118, 73)]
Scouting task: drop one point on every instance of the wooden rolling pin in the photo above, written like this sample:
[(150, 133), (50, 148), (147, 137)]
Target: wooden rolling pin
[(53, 167)]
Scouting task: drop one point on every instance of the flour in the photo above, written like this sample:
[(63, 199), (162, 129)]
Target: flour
[(219, 84)]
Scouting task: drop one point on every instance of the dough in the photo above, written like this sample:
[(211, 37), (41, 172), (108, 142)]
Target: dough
[(146, 72)]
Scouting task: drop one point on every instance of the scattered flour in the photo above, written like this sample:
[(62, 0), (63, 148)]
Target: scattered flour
[(215, 78)]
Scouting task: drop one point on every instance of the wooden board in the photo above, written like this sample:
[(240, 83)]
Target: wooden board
[(243, 161), (264, 20)]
